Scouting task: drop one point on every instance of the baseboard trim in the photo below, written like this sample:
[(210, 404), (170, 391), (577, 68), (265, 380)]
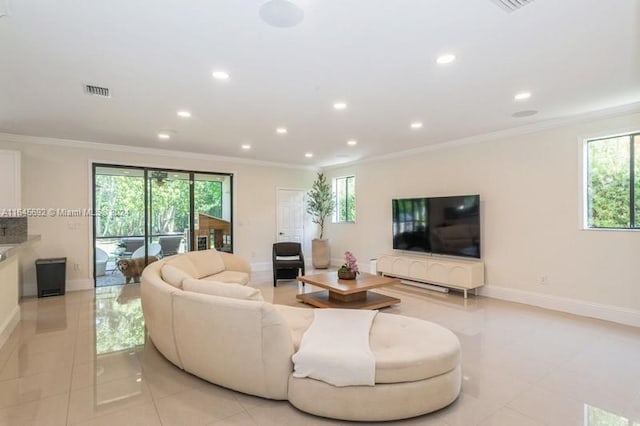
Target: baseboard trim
[(75, 285), (31, 289), (9, 325), (261, 266), (578, 307)]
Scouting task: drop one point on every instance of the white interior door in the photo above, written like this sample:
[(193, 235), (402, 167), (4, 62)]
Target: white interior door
[(290, 215)]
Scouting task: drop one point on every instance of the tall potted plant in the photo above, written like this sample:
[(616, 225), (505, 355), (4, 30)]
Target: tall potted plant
[(320, 205)]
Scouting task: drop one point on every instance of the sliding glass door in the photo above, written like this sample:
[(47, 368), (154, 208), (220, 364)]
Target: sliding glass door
[(169, 211), (143, 214), (212, 207)]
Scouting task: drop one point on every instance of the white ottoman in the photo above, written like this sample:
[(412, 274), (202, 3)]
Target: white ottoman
[(417, 371)]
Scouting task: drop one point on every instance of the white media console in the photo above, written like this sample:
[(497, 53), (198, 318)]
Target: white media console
[(445, 272)]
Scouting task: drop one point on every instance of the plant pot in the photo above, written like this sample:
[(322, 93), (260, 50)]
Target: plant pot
[(320, 253), (346, 274)]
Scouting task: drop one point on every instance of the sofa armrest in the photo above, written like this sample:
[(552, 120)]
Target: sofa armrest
[(233, 262)]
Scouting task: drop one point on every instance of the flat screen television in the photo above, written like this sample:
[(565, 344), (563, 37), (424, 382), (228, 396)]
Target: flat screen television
[(438, 225)]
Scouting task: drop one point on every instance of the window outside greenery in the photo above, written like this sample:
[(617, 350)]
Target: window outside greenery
[(344, 189), (120, 199), (595, 416), (613, 181)]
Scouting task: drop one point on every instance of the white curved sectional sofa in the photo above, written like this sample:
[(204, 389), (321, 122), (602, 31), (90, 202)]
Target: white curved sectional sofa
[(239, 341)]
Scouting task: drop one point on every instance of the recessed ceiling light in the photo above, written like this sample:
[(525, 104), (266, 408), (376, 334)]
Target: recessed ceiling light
[(522, 96), (183, 114), (309, 154), (352, 142), (340, 105), (446, 59), (281, 130), (220, 75), (164, 135), (416, 125), (281, 13), (246, 146)]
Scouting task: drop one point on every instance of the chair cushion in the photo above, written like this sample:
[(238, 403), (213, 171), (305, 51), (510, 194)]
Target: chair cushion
[(229, 277), (185, 264), (216, 288), (206, 262)]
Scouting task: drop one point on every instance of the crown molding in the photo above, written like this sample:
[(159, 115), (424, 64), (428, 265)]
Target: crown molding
[(71, 143), (485, 137), (502, 134)]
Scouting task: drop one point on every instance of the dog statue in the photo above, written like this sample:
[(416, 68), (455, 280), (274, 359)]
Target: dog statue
[(132, 268)]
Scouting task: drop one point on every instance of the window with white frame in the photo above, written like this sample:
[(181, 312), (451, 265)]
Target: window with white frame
[(613, 182), (344, 189)]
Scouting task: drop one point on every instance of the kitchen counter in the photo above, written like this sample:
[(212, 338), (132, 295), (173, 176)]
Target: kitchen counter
[(8, 250), (9, 286)]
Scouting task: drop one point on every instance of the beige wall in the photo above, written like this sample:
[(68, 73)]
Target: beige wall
[(59, 176), (530, 188)]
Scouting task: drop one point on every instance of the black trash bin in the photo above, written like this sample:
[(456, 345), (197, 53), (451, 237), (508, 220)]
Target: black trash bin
[(51, 276)]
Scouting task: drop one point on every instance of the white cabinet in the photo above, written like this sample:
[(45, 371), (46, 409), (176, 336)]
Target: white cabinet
[(460, 274), (10, 195)]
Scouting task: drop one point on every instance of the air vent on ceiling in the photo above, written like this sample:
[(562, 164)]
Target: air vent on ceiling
[(97, 91), (511, 5)]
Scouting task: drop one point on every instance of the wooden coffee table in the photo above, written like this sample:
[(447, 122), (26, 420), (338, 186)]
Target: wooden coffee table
[(352, 294)]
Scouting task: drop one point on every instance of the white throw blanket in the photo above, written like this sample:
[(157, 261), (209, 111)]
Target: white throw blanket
[(335, 348)]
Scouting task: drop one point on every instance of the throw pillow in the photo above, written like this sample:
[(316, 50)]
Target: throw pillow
[(173, 275)]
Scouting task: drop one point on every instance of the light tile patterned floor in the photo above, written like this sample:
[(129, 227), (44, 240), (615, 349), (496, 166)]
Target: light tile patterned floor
[(83, 359)]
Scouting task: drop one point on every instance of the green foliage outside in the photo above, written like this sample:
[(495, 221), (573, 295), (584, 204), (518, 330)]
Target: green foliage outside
[(609, 183), (599, 417), (120, 204), (320, 201), (346, 199)]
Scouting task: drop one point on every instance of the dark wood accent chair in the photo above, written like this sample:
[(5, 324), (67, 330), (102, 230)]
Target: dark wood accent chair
[(288, 261)]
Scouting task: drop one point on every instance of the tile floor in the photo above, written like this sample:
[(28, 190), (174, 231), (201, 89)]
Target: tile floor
[(82, 359)]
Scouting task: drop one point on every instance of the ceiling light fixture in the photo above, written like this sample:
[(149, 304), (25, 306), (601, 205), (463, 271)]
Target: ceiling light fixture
[(160, 177), (522, 96), (352, 142), (340, 105), (416, 125), (309, 154), (281, 130), (164, 135), (281, 13), (220, 75), (246, 146), (184, 114), (446, 58)]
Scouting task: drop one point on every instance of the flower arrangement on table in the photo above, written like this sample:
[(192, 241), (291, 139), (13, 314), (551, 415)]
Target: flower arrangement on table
[(349, 269)]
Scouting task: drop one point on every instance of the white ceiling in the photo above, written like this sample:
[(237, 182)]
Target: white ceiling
[(575, 56)]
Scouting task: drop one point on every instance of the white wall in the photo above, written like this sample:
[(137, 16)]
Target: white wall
[(58, 175), (530, 189), (10, 196)]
